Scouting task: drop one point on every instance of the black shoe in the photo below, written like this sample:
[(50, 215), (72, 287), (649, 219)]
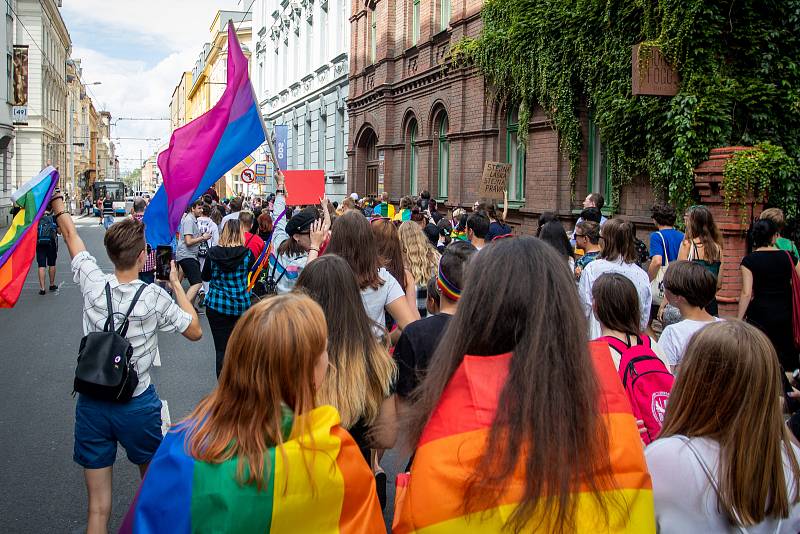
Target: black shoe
[(53, 288), (42, 291)]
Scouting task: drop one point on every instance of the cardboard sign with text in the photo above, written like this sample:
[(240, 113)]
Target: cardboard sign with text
[(304, 187), (494, 180)]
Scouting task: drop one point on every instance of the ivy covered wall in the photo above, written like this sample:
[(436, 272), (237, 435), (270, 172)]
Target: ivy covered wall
[(739, 63)]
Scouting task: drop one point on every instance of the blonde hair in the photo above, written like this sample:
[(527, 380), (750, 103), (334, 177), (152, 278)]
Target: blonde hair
[(419, 256), (232, 235), (361, 369), (775, 215), (729, 390)]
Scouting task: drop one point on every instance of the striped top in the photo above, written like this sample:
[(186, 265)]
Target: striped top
[(453, 441), (329, 489)]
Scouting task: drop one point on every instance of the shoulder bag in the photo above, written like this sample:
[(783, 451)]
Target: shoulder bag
[(105, 370), (795, 303), (657, 285), (713, 481)]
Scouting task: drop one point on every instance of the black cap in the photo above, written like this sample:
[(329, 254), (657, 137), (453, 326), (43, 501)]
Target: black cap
[(300, 222)]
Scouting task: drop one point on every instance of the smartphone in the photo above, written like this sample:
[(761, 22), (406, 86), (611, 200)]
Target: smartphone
[(163, 259)]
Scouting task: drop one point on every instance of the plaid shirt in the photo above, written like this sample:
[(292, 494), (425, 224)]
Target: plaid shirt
[(227, 293), (150, 260)]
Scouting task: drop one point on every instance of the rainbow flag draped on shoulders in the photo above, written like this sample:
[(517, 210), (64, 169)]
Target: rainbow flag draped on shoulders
[(430, 499), (203, 150), (180, 494), (18, 245)]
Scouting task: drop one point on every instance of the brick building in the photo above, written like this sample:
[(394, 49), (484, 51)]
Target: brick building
[(417, 122)]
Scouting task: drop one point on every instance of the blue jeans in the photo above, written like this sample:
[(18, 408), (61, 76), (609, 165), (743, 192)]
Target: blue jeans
[(108, 220), (100, 425)]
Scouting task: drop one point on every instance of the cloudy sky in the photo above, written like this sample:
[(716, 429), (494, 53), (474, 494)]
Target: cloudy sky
[(138, 49)]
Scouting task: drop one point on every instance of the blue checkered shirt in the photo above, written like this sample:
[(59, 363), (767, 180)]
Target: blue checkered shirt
[(227, 292)]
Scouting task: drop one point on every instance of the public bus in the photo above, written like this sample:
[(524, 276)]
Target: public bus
[(118, 192)]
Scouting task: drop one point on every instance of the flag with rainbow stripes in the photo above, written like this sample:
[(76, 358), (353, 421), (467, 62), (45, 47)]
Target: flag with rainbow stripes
[(430, 498), (335, 494)]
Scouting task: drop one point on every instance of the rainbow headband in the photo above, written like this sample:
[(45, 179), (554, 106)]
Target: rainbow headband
[(446, 287)]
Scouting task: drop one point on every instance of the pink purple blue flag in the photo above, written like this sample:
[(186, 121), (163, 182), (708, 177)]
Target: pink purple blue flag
[(202, 151)]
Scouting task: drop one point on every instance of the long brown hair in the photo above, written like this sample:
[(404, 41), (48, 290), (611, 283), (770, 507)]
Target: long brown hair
[(269, 365), (418, 254), (362, 370), (729, 390), (545, 394), (352, 239), (616, 303), (701, 226), (388, 243)]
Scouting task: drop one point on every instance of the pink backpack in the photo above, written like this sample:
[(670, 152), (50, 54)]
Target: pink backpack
[(647, 382)]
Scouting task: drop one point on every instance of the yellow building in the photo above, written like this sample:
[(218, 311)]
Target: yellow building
[(179, 103), (205, 84)]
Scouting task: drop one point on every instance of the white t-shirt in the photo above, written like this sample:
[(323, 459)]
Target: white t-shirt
[(685, 501), (676, 336), (632, 272), (228, 217), (155, 310), (375, 300), (207, 226)]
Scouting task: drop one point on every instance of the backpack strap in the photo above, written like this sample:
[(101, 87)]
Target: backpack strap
[(711, 479), (615, 343), (123, 330), (109, 326)]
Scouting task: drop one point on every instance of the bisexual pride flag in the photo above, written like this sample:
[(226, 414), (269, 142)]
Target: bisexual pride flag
[(18, 245), (202, 151), (430, 498), (335, 493)]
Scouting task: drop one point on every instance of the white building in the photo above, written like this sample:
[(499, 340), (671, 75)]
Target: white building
[(6, 123), (299, 69), (42, 141)]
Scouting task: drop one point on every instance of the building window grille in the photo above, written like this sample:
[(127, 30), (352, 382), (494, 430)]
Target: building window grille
[(516, 156), (444, 156)]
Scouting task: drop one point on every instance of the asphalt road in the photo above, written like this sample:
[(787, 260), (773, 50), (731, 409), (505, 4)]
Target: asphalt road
[(41, 488)]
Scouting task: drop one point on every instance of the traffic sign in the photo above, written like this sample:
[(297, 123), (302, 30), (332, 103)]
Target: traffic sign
[(249, 160), (248, 176), (261, 169)]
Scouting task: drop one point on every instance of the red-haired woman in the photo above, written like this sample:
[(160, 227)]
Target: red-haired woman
[(257, 453)]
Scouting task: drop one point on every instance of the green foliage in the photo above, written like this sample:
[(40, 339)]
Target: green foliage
[(739, 62), (133, 179), (761, 172)]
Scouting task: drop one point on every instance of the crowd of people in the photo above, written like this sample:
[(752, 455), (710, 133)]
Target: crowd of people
[(573, 381)]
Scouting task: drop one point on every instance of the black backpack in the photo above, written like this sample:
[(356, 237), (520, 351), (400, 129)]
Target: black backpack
[(46, 230), (105, 370)]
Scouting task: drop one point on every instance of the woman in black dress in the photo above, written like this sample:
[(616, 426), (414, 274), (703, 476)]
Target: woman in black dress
[(766, 297)]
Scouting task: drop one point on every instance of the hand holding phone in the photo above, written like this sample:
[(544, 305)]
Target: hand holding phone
[(163, 262)]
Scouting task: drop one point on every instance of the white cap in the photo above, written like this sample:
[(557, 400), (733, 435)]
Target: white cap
[(354, 196)]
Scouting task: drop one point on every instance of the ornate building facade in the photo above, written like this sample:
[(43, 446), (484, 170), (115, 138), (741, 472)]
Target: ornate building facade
[(417, 122), (300, 72)]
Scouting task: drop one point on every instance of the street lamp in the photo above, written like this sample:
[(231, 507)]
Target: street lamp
[(71, 162)]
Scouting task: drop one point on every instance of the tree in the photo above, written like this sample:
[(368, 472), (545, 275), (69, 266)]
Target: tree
[(133, 179)]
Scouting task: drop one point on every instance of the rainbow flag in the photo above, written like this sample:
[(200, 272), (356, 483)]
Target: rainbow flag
[(429, 499), (180, 494), (18, 245), (203, 150)]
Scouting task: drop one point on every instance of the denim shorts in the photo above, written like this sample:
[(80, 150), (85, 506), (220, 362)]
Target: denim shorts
[(99, 425)]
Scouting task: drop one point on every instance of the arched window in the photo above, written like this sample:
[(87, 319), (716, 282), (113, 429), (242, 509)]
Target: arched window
[(443, 155), (413, 157), (372, 163), (515, 155), (599, 173)]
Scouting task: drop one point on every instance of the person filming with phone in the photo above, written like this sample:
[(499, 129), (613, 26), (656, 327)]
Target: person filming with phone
[(132, 416)]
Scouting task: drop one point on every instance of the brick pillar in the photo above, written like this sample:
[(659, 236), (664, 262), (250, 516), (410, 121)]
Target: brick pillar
[(733, 224)]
